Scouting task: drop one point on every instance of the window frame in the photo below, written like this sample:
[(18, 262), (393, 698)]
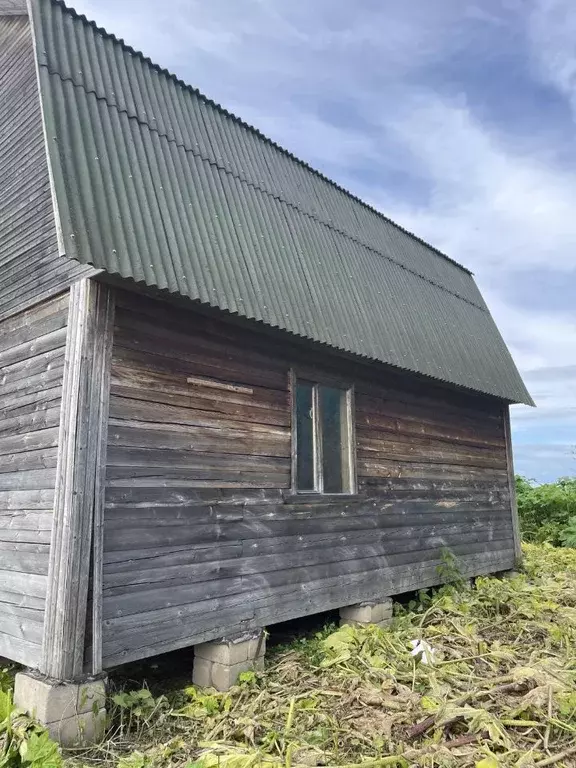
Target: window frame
[(349, 478)]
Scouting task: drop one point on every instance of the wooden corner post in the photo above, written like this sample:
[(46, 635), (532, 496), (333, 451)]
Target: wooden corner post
[(79, 479), (512, 484)]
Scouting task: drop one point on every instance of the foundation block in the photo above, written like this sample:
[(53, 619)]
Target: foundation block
[(368, 613), (511, 574), (218, 664), (73, 713)]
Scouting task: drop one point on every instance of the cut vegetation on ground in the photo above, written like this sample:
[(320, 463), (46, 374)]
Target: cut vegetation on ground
[(491, 682)]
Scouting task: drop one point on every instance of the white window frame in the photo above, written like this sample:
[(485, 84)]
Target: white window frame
[(349, 478)]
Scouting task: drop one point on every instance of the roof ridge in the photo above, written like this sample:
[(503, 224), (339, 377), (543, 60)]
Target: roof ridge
[(162, 70)]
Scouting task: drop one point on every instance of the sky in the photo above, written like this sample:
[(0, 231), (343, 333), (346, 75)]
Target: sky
[(456, 119)]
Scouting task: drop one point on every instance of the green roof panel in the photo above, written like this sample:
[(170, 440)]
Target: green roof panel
[(156, 183)]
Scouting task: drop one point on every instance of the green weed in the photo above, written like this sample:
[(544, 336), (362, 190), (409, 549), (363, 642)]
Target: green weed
[(464, 678), (548, 511), (23, 743)]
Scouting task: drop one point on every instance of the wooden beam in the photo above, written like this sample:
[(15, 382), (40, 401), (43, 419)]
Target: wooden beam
[(102, 367), (78, 493), (512, 483)]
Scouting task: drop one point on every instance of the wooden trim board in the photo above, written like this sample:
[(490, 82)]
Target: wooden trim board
[(512, 483), (77, 503), (102, 363)]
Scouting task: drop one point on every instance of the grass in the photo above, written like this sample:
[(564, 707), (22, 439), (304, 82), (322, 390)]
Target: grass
[(500, 691)]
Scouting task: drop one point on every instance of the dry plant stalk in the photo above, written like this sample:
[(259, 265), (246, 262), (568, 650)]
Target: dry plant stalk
[(501, 692)]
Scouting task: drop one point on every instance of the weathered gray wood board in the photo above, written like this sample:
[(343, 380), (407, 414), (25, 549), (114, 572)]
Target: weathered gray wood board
[(30, 268), (31, 364), (32, 340), (512, 486), (201, 534), (77, 494)]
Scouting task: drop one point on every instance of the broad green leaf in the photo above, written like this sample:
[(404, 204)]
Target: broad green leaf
[(488, 762)]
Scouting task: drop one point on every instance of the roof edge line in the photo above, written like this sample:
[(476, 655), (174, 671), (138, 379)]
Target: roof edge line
[(48, 154), (173, 297)]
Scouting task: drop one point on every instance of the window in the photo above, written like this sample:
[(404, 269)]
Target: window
[(322, 426)]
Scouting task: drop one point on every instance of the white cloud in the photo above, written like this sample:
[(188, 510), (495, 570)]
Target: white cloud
[(543, 344), (538, 339), (489, 208), (552, 32)]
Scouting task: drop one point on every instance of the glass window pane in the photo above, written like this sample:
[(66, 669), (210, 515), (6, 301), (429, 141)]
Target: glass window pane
[(304, 436), (334, 439)]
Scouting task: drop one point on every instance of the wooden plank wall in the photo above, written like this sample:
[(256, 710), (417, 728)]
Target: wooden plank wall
[(32, 348), (78, 494), (201, 535), (32, 339), (31, 269)]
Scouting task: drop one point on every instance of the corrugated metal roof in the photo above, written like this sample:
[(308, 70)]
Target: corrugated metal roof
[(156, 183)]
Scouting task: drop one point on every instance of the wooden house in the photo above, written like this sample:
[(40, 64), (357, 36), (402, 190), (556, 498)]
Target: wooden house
[(231, 393)]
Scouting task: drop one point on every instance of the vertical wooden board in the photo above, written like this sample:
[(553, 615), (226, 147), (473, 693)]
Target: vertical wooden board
[(78, 487), (512, 483), (101, 372)]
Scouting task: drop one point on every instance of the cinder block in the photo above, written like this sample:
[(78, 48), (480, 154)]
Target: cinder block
[(257, 646), (222, 653), (218, 664), (233, 650), (224, 676), (368, 613), (202, 672), (511, 574), (377, 613), (91, 696), (212, 674), (229, 650), (358, 613), (73, 713), (44, 700), (387, 610), (81, 730)]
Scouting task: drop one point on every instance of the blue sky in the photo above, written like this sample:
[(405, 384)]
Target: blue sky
[(456, 119)]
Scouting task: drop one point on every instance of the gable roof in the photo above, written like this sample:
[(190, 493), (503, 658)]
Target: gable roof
[(156, 183)]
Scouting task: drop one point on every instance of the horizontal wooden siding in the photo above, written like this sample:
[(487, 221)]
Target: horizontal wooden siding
[(32, 340), (32, 346), (202, 537)]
